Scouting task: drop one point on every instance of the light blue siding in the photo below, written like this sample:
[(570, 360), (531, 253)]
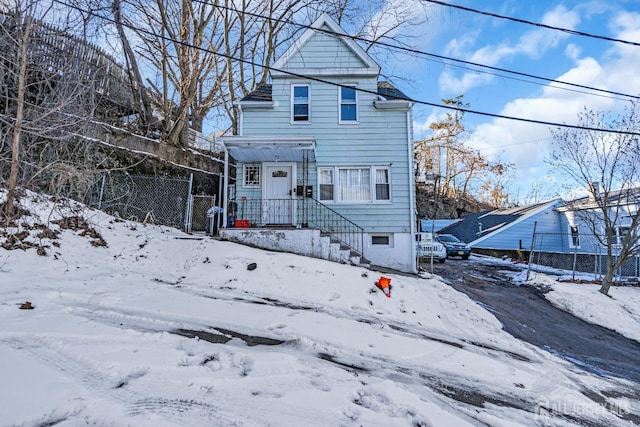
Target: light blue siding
[(519, 235), (324, 51), (378, 138)]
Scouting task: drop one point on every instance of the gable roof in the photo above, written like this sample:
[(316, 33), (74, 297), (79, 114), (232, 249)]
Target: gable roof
[(327, 26), (629, 196), (481, 225)]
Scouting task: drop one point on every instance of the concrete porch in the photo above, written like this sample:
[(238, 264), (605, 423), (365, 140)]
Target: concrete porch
[(301, 241)]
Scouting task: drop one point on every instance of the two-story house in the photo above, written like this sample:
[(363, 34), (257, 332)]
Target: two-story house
[(325, 148)]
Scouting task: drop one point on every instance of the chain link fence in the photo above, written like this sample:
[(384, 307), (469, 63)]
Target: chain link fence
[(154, 199), (582, 258)]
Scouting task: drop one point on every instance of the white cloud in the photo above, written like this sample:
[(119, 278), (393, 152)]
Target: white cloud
[(422, 129), (528, 145), (561, 17), (572, 51), (451, 84), (532, 44)]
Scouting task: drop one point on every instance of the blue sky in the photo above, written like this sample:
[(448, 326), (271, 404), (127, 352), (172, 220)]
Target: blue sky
[(527, 49)]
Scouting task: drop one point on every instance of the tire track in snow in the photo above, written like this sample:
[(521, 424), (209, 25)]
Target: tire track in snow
[(373, 366), (134, 403), (397, 328), (453, 389)]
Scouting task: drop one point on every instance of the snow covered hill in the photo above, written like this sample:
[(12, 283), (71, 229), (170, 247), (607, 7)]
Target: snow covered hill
[(144, 325)]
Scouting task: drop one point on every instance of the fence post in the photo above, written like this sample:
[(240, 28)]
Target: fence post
[(533, 245), (104, 175), (188, 210), (575, 259)]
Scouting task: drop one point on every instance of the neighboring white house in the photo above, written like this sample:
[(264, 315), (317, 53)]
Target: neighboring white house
[(326, 147)]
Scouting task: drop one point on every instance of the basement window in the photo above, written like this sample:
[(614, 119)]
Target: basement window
[(380, 240)]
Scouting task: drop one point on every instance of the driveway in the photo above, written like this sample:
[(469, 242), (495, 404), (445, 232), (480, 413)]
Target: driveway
[(528, 315)]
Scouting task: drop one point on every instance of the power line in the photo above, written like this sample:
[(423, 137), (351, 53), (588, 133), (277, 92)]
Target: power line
[(433, 55), (536, 24), (307, 77)]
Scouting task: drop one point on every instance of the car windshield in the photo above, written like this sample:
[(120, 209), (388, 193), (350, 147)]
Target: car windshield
[(448, 238)]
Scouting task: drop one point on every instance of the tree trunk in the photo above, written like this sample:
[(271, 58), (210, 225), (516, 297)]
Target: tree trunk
[(9, 208), (611, 268), (607, 281), (140, 96)]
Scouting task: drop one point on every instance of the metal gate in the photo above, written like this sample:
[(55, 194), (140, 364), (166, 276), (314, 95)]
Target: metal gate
[(200, 220)]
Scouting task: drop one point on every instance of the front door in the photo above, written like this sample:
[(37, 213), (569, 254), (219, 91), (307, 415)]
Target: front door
[(277, 196)]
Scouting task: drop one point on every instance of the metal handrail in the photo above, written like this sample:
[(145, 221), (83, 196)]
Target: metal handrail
[(300, 213)]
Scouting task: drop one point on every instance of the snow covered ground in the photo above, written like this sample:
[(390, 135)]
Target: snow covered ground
[(620, 312), (141, 325)]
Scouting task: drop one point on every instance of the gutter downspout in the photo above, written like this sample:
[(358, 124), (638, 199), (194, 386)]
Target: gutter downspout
[(412, 193)]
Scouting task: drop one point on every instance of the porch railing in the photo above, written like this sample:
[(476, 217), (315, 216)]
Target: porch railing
[(299, 213)]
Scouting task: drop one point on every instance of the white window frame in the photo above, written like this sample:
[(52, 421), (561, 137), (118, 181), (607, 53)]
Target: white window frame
[(374, 179), (332, 184), (372, 198), (293, 104), (246, 167), (388, 244), (342, 103), (574, 237)]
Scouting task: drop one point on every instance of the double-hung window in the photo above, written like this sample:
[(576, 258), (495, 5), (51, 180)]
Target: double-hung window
[(362, 184), (382, 183), (300, 103), (326, 183), (348, 104)]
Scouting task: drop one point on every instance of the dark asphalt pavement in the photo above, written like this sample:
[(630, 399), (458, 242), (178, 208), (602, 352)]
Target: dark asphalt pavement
[(528, 316)]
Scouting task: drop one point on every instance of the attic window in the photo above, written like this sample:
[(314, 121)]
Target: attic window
[(300, 104)]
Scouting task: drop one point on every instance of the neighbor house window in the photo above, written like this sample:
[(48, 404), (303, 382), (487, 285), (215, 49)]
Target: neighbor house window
[(620, 233), (300, 104), (251, 175), (354, 184), (348, 104), (574, 238)]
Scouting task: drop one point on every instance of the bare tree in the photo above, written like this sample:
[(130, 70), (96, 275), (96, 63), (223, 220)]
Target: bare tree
[(47, 95), (200, 57), (608, 165), (461, 170)]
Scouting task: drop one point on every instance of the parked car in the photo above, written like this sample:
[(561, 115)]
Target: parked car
[(427, 247), (454, 246)]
